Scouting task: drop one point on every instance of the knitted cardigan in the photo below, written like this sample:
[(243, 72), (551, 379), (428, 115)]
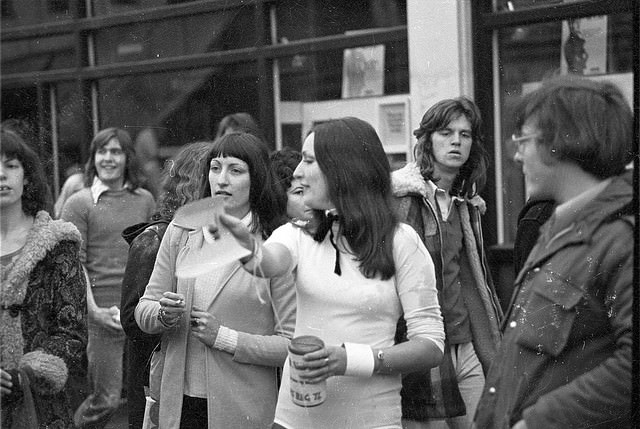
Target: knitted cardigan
[(42, 314), (435, 393)]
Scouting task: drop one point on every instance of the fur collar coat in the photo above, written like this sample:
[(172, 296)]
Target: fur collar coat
[(42, 314), (435, 394)]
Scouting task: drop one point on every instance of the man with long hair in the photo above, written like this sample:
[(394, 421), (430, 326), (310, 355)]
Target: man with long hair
[(110, 201), (438, 195)]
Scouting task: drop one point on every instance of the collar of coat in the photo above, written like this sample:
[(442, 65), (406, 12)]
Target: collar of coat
[(41, 239), (408, 181)]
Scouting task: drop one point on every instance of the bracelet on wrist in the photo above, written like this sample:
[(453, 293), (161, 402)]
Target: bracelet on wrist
[(162, 318)]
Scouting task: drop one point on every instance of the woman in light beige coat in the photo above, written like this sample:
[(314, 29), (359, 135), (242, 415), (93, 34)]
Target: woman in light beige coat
[(225, 332)]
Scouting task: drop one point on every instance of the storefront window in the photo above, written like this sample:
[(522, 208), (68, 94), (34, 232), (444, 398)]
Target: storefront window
[(41, 54), (350, 73), (599, 47), (304, 19), (71, 114), (31, 12), (188, 35), (168, 110), (110, 7)]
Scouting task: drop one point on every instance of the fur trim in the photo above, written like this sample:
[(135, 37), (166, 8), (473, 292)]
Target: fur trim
[(49, 372), (41, 239), (408, 180)]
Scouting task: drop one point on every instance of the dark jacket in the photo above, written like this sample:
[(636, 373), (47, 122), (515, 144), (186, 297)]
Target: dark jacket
[(565, 360), (144, 241), (435, 393), (531, 217), (43, 330)]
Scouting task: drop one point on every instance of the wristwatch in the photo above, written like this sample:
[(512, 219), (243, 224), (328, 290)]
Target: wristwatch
[(380, 356)]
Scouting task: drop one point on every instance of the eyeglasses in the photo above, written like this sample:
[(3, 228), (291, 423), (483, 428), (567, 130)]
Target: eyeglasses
[(519, 140)]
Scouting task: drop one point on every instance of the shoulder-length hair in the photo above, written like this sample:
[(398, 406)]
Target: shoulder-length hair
[(182, 179), (36, 195), (131, 169), (582, 121), (267, 200), (351, 157), (473, 174)]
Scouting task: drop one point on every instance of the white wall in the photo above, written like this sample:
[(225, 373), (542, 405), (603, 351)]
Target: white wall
[(440, 63), (440, 66)]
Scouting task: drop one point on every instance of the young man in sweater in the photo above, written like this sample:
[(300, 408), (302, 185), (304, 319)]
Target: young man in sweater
[(111, 201)]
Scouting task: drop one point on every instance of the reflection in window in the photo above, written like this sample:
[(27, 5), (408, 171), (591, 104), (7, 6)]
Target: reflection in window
[(303, 19), (599, 46), (188, 35), (33, 12), (505, 5), (6, 9), (45, 53), (319, 76), (58, 6), (71, 134), (187, 108), (109, 7)]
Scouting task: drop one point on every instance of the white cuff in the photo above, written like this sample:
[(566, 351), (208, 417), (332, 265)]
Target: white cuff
[(360, 360), (227, 340)]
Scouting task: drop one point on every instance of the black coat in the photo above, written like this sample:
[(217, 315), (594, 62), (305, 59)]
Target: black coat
[(144, 241)]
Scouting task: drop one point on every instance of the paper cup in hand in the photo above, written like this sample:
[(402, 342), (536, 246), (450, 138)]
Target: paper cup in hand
[(214, 252)]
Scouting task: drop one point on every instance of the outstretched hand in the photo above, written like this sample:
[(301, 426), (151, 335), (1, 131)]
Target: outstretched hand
[(235, 226)]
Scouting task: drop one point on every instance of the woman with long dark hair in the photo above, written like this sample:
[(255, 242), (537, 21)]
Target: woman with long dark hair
[(357, 271), (224, 332)]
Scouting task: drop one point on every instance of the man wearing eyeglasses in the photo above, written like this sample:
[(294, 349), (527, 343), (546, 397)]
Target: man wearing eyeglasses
[(565, 357)]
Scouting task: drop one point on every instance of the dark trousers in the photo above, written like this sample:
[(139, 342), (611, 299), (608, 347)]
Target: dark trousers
[(194, 413)]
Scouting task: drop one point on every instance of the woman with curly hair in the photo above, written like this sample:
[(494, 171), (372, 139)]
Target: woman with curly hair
[(182, 183), (42, 297)]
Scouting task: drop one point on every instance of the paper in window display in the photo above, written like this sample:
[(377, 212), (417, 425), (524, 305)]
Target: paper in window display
[(584, 46), (363, 71)]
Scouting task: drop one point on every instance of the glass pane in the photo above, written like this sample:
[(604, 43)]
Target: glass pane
[(599, 47), (47, 53), (377, 70), (187, 108), (504, 5), (72, 142), (303, 19), (31, 12), (210, 32), (110, 7)]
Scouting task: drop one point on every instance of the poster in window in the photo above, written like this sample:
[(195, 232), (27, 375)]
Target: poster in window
[(584, 46), (363, 71)]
